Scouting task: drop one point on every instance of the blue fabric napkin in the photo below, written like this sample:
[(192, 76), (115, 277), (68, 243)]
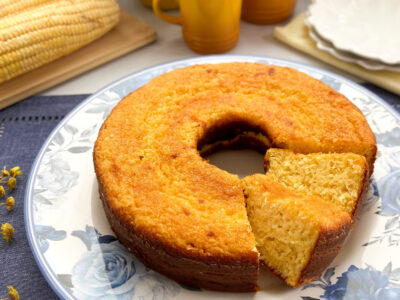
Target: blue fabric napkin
[(23, 129)]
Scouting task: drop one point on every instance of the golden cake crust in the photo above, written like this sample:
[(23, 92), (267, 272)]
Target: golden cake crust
[(223, 275), (176, 212)]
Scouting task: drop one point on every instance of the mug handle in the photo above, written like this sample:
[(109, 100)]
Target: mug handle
[(164, 16)]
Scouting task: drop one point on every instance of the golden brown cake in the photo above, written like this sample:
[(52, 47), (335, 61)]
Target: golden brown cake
[(181, 215), (297, 235), (340, 178)]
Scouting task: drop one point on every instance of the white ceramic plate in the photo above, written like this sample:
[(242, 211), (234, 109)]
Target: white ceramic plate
[(327, 46), (368, 28), (81, 259)]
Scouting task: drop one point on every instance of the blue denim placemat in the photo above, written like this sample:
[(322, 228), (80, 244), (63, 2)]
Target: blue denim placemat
[(23, 129), (390, 98)]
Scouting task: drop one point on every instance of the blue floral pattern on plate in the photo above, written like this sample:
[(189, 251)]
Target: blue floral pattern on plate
[(64, 214), (108, 271), (46, 233), (356, 283)]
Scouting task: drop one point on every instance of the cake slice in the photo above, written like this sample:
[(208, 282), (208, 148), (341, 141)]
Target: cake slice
[(297, 235), (339, 178)]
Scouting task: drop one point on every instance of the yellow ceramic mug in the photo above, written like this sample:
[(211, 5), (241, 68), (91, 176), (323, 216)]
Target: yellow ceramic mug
[(208, 26), (267, 11), (165, 4)]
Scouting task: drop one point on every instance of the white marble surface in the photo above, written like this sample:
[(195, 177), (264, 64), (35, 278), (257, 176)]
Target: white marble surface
[(254, 40)]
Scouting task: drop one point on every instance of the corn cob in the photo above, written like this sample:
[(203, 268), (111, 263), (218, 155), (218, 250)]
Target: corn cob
[(9, 7), (36, 32)]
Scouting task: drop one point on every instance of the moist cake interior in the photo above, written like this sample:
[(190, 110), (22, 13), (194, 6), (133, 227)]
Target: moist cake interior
[(335, 177)]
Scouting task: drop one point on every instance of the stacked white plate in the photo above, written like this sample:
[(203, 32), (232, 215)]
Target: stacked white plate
[(364, 32)]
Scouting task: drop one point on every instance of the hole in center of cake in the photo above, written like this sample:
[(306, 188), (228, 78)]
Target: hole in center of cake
[(236, 147), (240, 162)]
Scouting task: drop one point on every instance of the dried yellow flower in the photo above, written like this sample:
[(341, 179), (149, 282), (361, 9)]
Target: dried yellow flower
[(16, 171), (7, 230), (13, 293), (11, 183), (2, 191), (10, 203), (4, 172)]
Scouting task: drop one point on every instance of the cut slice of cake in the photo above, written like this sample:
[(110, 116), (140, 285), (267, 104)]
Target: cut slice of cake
[(297, 236), (339, 178)]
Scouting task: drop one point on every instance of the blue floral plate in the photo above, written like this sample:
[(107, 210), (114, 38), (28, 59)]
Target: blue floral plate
[(81, 259)]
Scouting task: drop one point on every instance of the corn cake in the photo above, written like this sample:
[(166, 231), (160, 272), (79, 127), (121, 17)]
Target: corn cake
[(184, 217)]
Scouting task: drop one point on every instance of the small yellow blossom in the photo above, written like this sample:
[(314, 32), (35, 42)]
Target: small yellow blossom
[(4, 172), (7, 230), (11, 183), (2, 191), (10, 203), (13, 293), (16, 171)]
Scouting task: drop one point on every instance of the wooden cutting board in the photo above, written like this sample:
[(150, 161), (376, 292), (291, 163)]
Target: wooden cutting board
[(128, 35)]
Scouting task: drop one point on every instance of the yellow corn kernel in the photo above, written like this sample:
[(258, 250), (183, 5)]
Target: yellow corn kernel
[(11, 7)]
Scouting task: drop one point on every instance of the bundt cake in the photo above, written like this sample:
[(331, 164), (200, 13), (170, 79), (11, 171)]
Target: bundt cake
[(186, 218), (297, 235), (340, 178)]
